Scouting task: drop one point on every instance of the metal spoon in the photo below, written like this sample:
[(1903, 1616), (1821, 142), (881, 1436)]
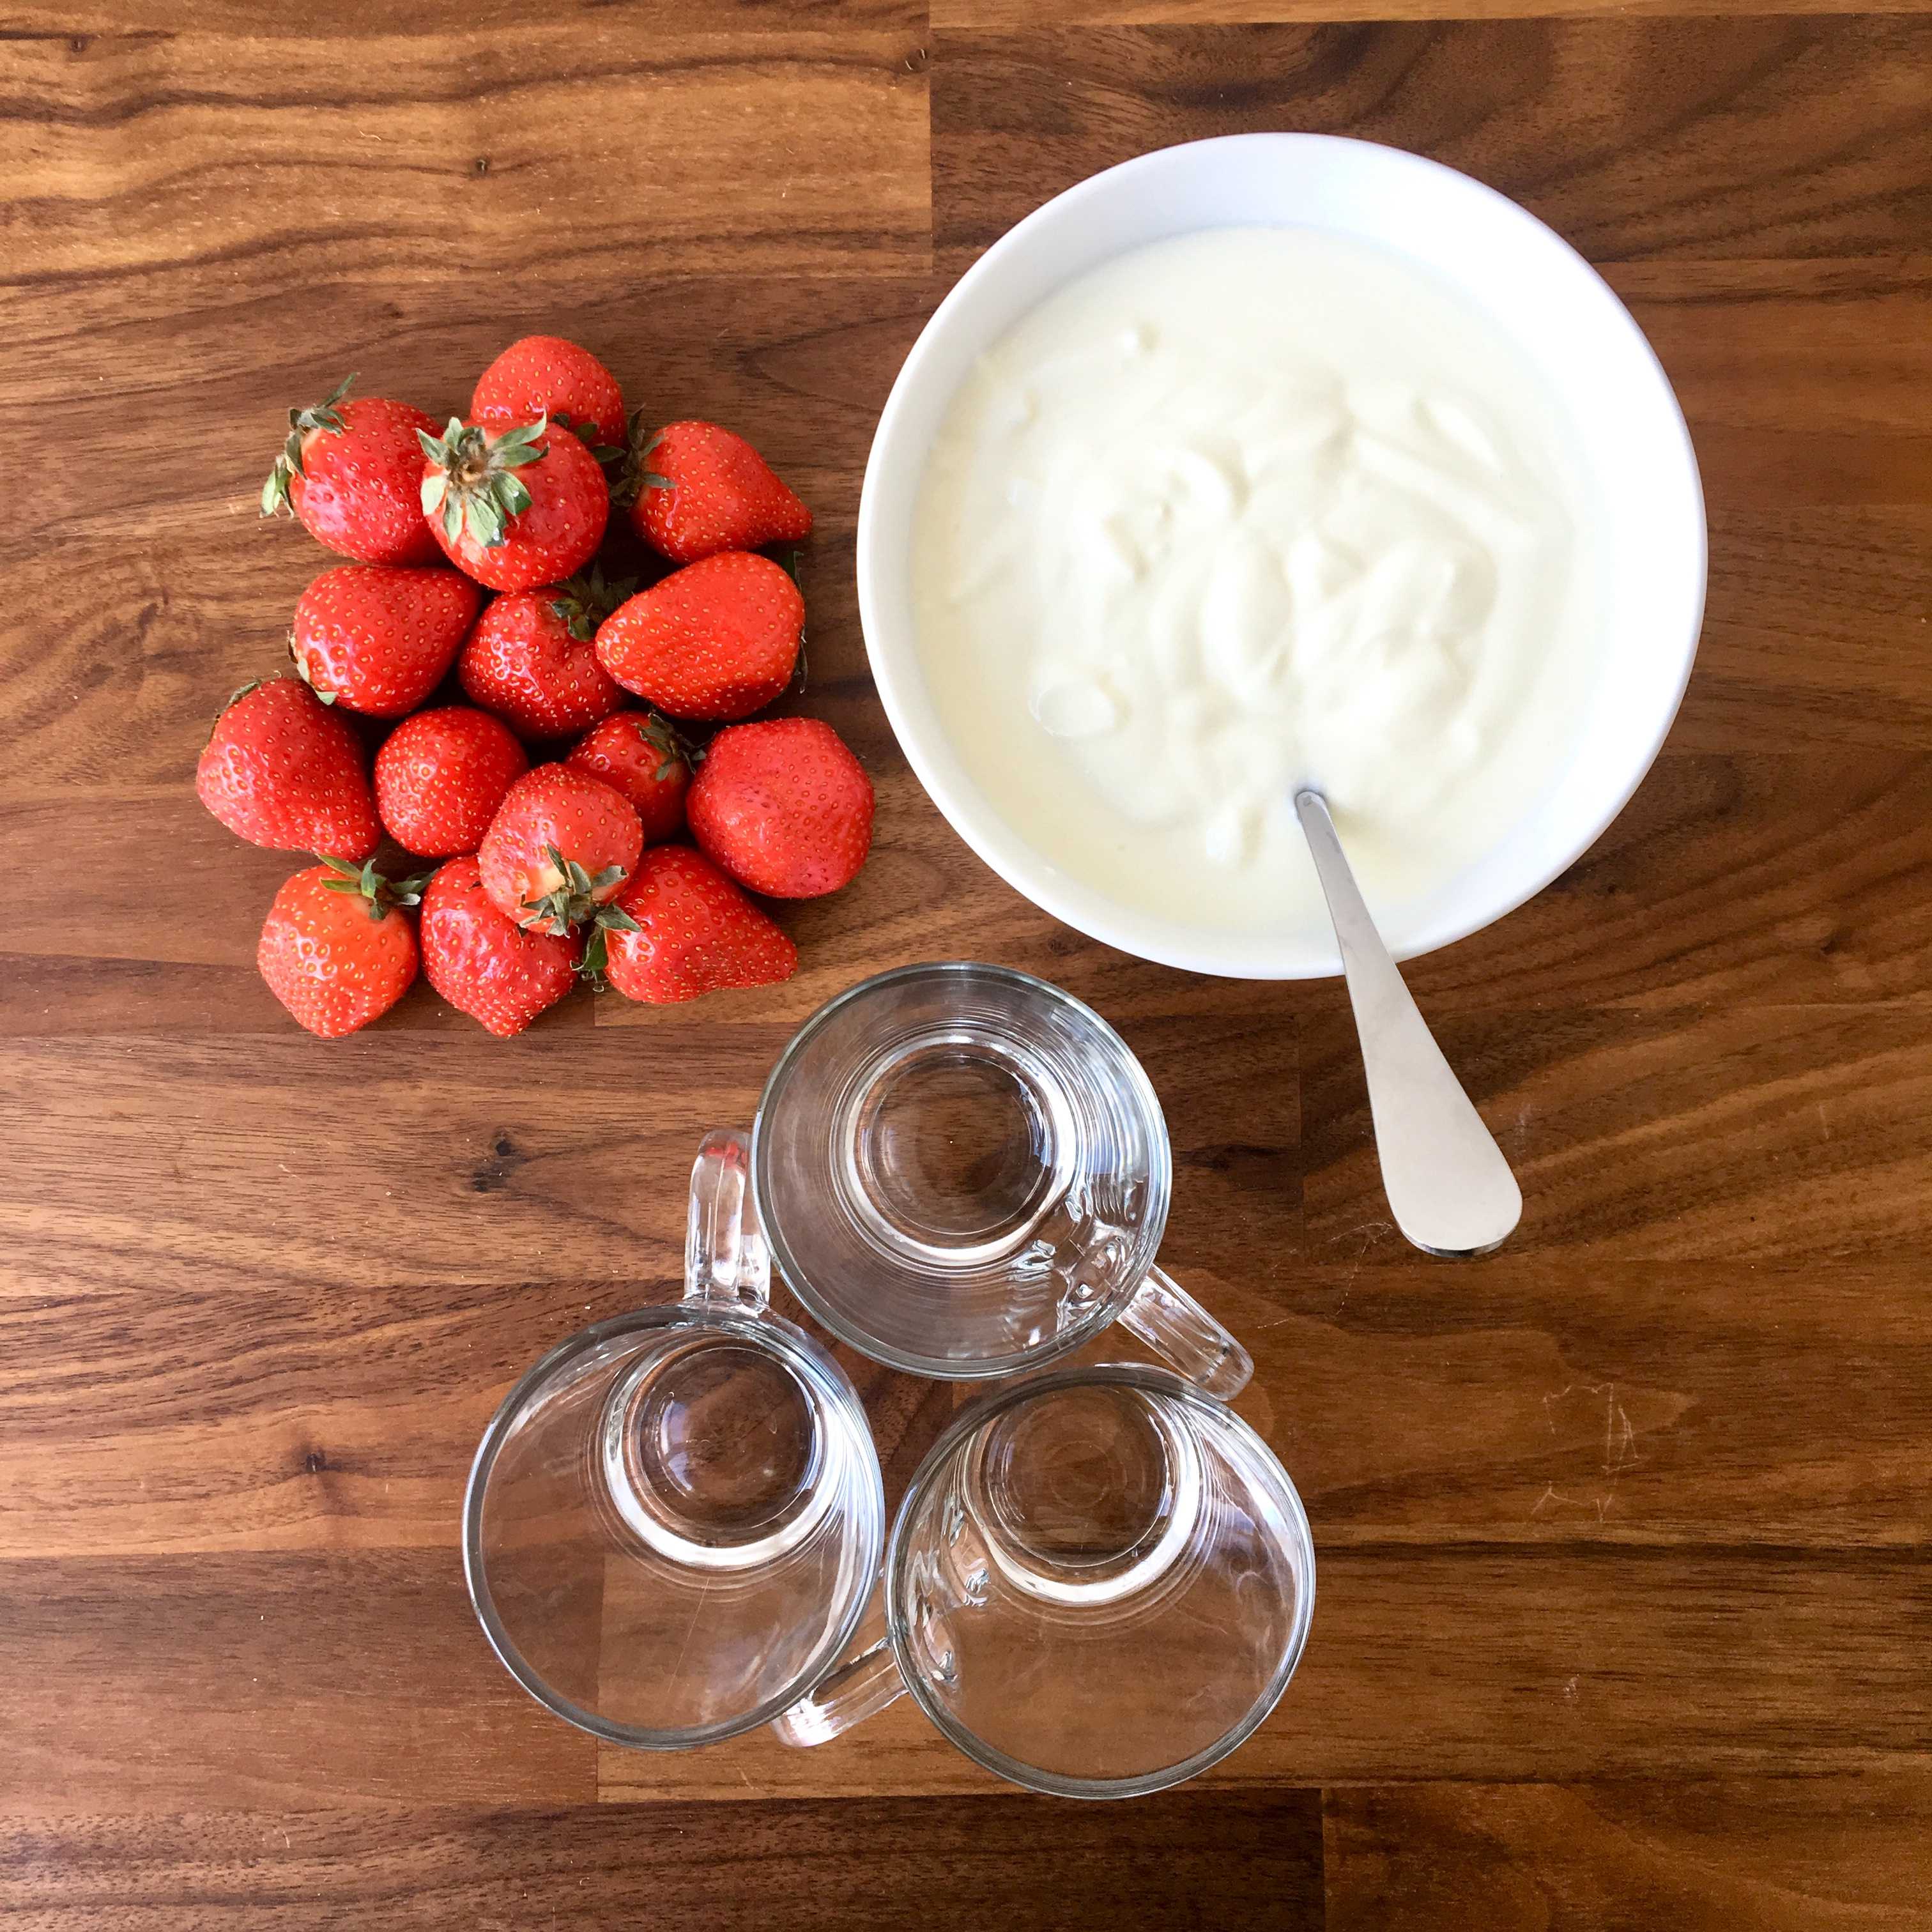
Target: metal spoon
[(1448, 1185)]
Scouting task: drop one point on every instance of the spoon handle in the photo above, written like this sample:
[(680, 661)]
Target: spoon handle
[(1448, 1185)]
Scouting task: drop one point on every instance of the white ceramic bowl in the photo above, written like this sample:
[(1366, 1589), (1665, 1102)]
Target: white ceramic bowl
[(1546, 297)]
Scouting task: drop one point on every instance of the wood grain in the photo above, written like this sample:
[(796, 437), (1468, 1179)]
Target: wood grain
[(1808, 1856), (1621, 1615), (264, 1682), (1006, 15), (157, 157), (1221, 1862), (1784, 1136), (1638, 139)]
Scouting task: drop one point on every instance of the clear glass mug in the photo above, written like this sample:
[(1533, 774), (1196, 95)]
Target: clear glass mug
[(674, 1521), (963, 1173), (1099, 1584)]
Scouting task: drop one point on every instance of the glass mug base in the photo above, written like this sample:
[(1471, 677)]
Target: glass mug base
[(963, 1172), (1099, 1583), (1090, 1499), (713, 1452), (674, 1521)]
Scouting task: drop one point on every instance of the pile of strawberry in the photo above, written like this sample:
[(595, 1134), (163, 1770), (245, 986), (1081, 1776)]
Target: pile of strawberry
[(559, 806)]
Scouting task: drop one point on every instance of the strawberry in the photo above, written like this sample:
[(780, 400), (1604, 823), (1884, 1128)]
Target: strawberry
[(637, 754), (559, 850), (442, 777), (692, 932), (530, 658), (352, 472), (546, 376), (718, 639), (514, 507), (699, 489), (281, 769), (377, 638), (783, 807), (335, 950), (486, 965)]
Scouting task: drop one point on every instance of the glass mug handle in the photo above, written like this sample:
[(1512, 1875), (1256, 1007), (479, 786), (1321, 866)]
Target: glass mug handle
[(726, 1257), (1184, 1335), (860, 1685)]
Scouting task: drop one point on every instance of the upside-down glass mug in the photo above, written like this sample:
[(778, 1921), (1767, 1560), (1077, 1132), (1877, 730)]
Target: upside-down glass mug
[(1099, 1584), (963, 1172), (673, 1523)]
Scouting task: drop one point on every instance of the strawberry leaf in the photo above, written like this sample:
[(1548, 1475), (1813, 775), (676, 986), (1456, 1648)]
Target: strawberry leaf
[(596, 956)]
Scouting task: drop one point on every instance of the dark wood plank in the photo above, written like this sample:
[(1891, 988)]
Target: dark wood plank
[(1637, 139), (1540, 1401), (1776, 879), (1206, 1861), (1789, 1135), (1628, 1405), (1007, 15), (1559, 1664), (176, 157), (276, 1682), (1784, 1856), (1668, 1136), (432, 22), (299, 1422)]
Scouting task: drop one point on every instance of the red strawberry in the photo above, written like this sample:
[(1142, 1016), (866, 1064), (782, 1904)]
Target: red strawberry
[(693, 932), (514, 508), (443, 776), (559, 850), (530, 658), (281, 769), (701, 489), (486, 965), (637, 754), (544, 375), (335, 950), (376, 638), (715, 640), (783, 807), (353, 473)]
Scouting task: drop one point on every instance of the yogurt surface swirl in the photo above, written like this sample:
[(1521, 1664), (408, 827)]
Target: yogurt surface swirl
[(1244, 510)]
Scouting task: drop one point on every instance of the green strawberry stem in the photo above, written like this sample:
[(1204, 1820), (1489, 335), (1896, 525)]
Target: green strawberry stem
[(324, 416), (669, 744), (472, 486), (586, 600), (596, 950), (792, 563), (303, 670), (381, 894), (606, 454), (233, 698), (633, 476), (571, 904)]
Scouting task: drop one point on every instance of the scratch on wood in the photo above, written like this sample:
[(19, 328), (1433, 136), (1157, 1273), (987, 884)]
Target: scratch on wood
[(1619, 1438)]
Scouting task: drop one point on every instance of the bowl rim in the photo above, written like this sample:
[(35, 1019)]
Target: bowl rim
[(896, 669)]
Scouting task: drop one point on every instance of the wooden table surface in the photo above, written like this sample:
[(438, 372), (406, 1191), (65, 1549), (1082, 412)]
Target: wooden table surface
[(1624, 1607)]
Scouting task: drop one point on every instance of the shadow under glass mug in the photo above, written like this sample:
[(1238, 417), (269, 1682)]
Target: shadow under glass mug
[(963, 1173), (1099, 1583), (674, 1524)]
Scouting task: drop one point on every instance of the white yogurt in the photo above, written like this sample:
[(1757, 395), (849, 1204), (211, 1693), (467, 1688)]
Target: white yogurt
[(1251, 508)]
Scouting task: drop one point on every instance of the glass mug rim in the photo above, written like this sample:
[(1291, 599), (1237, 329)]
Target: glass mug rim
[(765, 1329), (975, 1416), (1151, 1232)]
